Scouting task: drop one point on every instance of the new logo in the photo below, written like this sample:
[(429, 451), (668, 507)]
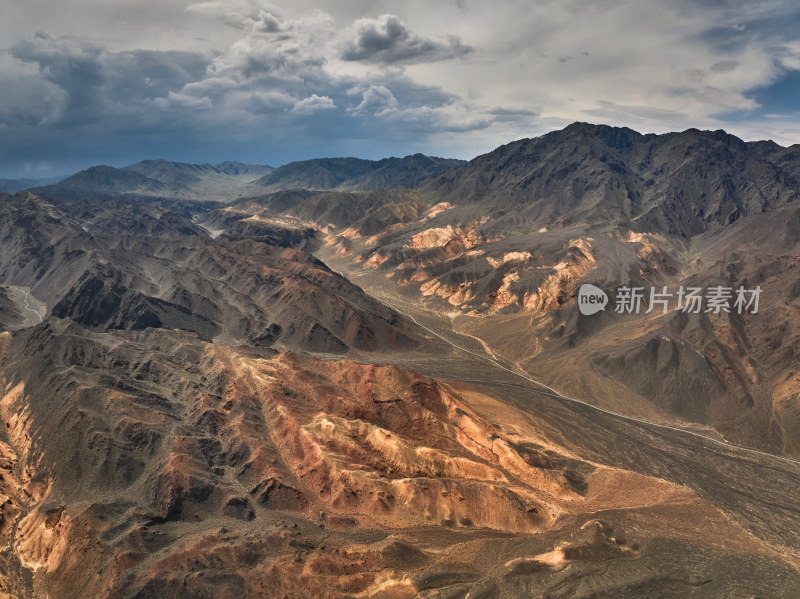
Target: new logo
[(591, 299)]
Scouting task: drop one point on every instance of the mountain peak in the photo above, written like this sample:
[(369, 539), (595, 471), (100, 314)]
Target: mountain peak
[(616, 137), (678, 183)]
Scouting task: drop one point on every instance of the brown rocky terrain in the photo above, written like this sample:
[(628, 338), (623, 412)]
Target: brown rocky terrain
[(194, 405), (10, 313), (520, 232), (210, 470), (106, 273)]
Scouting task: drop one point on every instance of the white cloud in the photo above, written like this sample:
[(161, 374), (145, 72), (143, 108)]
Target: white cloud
[(377, 99), (454, 117), (288, 49), (789, 55), (312, 104)]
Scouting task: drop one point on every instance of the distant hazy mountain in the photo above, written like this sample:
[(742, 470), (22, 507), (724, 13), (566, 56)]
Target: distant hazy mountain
[(248, 170), (190, 175), (231, 180), (350, 174), (158, 179), (14, 185), (107, 181)]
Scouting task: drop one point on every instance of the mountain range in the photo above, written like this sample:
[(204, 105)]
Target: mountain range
[(514, 234), (346, 378), (351, 174), (226, 181), (14, 185)]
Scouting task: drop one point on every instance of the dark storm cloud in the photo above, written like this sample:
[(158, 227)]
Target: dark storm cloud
[(95, 81), (387, 39)]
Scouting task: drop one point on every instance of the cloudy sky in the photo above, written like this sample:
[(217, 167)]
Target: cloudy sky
[(115, 81)]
